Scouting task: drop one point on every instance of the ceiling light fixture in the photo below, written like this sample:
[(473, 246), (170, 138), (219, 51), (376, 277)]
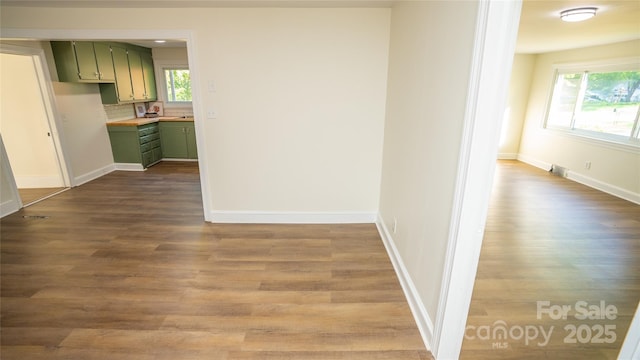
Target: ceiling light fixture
[(579, 14), (161, 41)]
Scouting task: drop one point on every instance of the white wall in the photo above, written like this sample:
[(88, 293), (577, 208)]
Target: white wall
[(24, 125), (518, 97), (429, 67), (613, 169), (300, 100), (85, 133)]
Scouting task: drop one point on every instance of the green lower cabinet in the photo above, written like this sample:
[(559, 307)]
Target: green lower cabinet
[(136, 144), (178, 140)]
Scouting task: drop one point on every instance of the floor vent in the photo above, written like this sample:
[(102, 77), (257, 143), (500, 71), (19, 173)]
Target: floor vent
[(558, 170), (35, 217)]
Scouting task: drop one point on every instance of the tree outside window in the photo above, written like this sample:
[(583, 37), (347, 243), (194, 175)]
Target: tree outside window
[(178, 85), (605, 103)]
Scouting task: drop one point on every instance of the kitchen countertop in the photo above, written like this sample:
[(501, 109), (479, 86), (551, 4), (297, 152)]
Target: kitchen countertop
[(144, 121)]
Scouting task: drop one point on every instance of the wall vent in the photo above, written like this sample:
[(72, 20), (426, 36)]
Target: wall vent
[(558, 170)]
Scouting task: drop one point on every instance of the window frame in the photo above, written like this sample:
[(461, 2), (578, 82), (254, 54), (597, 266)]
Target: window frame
[(611, 65), (161, 66)]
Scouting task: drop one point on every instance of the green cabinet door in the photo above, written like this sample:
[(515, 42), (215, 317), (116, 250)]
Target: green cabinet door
[(104, 61), (192, 148), (86, 60), (173, 140), (137, 75), (123, 77), (149, 77)]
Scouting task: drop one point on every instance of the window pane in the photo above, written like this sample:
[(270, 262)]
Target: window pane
[(178, 83), (565, 95), (610, 103)]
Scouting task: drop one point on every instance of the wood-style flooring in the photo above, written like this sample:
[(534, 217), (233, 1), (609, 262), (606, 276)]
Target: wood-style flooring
[(551, 239), (124, 267), (29, 196)]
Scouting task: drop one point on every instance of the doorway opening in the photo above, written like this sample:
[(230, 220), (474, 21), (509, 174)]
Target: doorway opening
[(27, 127)]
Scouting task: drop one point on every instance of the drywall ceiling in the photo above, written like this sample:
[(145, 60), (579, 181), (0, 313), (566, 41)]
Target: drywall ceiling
[(541, 29)]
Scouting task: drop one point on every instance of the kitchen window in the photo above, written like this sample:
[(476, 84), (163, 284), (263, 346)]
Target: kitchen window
[(177, 83), (600, 101)]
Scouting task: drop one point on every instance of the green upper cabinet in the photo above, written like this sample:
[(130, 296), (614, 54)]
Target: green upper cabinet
[(83, 61), (104, 61), (149, 77), (124, 71), (123, 78), (137, 75)]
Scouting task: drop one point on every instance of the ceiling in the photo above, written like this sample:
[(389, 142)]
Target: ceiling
[(541, 29)]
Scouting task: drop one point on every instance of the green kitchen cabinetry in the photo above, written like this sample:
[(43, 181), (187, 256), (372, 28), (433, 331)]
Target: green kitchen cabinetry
[(83, 61), (136, 144), (151, 93), (123, 71), (135, 79), (178, 139)]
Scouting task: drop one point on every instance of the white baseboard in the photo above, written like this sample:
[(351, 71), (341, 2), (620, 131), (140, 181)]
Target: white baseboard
[(604, 187), (420, 314), (507, 156), (248, 217), (92, 175), (30, 182), (534, 162), (585, 180), (128, 167), (9, 207)]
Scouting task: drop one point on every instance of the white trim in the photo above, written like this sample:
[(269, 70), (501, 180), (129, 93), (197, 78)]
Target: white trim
[(420, 314), (6, 174), (30, 182), (507, 156), (128, 167), (494, 48), (9, 207), (273, 217), (604, 187), (631, 345), (585, 180), (534, 162), (92, 175)]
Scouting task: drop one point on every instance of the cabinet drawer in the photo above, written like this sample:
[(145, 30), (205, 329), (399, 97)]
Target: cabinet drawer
[(150, 145), (147, 129), (148, 138)]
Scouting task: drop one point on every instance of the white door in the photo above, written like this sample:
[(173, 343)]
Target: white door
[(25, 124)]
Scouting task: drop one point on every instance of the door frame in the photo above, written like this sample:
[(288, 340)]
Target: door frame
[(127, 35), (53, 122)]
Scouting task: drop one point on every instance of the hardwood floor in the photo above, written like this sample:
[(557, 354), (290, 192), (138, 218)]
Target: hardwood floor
[(124, 267), (29, 196), (551, 239)]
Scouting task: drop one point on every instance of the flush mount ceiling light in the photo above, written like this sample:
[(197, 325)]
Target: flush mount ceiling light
[(160, 41), (579, 14)]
